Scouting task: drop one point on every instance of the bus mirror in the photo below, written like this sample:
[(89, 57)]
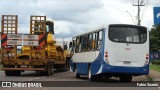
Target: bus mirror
[(70, 45)]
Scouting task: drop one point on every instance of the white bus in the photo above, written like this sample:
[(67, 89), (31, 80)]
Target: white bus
[(118, 50)]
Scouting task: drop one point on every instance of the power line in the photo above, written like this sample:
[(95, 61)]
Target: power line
[(140, 3), (131, 17), (143, 12)]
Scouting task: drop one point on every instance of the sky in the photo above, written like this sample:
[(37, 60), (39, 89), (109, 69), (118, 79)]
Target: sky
[(73, 17)]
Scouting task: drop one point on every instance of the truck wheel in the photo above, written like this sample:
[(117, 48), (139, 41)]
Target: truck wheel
[(126, 78), (48, 72), (17, 73), (52, 67), (8, 73), (12, 73)]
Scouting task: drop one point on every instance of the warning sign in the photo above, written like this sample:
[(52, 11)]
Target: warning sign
[(31, 37), (14, 36), (30, 43), (23, 39), (14, 42)]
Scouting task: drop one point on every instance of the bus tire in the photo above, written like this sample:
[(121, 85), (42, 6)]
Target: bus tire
[(126, 78), (77, 74), (74, 68), (67, 66), (90, 76)]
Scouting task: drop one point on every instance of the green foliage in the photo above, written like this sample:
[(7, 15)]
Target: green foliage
[(155, 62), (155, 39), (155, 67)]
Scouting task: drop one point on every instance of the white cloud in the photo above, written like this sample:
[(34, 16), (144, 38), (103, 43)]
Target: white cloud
[(73, 17)]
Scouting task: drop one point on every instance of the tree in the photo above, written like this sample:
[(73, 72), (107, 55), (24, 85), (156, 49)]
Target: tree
[(155, 38)]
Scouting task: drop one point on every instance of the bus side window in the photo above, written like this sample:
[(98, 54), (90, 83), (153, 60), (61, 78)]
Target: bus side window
[(84, 43), (99, 42), (81, 44), (77, 44), (89, 42), (94, 44), (73, 44)]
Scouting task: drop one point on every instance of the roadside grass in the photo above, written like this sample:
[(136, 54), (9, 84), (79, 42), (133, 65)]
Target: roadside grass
[(149, 78), (155, 67)]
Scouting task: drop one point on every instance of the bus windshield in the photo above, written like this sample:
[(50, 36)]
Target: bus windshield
[(127, 34)]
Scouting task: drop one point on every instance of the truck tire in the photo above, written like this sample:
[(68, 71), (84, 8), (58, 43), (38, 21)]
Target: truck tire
[(12, 73), (17, 73), (126, 78), (8, 73), (52, 67), (48, 71)]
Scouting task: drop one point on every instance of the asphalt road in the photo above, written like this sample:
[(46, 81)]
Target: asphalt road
[(70, 78)]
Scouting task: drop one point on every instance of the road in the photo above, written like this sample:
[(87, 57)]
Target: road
[(70, 77)]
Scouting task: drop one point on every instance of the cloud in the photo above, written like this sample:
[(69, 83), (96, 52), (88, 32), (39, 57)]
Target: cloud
[(72, 17)]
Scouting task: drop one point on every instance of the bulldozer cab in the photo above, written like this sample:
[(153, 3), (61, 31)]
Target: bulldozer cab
[(39, 25), (49, 27)]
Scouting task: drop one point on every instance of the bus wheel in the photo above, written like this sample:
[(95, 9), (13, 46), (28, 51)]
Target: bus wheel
[(90, 76), (74, 68), (77, 74), (126, 78), (67, 67)]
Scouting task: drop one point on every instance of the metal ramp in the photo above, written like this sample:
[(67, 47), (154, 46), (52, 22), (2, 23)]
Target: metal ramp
[(38, 25), (9, 25)]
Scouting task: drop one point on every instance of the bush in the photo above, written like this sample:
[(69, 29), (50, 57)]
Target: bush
[(155, 62)]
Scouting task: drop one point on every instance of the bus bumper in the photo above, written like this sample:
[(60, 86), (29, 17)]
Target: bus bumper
[(125, 70)]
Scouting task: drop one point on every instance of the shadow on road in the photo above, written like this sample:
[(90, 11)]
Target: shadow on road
[(34, 74), (101, 79)]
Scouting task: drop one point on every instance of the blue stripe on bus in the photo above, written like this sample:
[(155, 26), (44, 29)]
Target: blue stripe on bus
[(128, 70), (96, 65)]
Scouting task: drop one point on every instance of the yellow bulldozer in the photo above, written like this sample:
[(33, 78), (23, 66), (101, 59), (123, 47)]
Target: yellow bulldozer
[(39, 51)]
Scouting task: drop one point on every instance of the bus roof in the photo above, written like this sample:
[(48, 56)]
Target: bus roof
[(104, 26)]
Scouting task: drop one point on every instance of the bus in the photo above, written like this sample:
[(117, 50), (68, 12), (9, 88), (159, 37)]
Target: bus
[(115, 50)]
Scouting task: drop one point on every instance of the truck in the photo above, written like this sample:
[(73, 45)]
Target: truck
[(39, 51)]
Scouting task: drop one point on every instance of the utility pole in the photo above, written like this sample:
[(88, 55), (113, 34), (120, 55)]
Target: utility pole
[(140, 3)]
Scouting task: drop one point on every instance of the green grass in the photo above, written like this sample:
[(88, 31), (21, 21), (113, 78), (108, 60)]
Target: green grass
[(155, 67)]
